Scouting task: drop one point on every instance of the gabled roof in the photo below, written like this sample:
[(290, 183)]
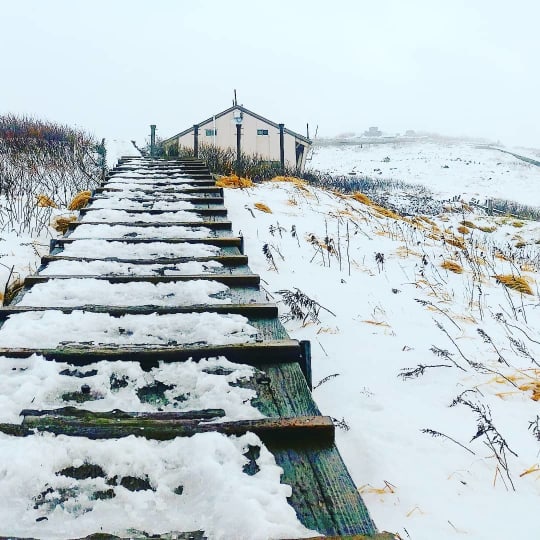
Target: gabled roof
[(245, 111)]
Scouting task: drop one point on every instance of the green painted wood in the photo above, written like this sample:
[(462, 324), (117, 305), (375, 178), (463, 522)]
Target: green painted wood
[(327, 503), (318, 430)]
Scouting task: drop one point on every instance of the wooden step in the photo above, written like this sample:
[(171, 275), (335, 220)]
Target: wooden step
[(235, 280), (258, 310), (254, 354), (215, 225), (207, 187), (300, 430), (226, 260), (214, 241), (217, 210), (203, 199)]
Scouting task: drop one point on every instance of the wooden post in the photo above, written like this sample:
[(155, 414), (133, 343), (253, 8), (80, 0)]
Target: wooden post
[(238, 147), (195, 141), (152, 140), (281, 147), (305, 366), (490, 207)]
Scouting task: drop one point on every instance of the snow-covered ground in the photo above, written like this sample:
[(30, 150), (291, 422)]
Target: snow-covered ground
[(459, 168), (395, 312), (432, 372)]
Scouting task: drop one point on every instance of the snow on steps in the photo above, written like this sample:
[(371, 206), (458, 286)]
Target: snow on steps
[(301, 441)]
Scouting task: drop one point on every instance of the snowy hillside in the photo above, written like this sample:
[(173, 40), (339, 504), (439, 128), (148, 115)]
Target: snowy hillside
[(432, 372), (424, 331), (447, 169)]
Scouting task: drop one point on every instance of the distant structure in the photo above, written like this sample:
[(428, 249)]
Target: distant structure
[(239, 128), (373, 131)]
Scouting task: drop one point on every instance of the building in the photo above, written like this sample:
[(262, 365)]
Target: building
[(258, 135)]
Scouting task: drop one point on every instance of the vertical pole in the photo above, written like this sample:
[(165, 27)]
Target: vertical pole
[(238, 147), (305, 361), (196, 141), (152, 140), (281, 147)]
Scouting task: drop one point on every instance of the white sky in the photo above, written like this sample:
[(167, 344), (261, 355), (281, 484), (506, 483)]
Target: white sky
[(113, 67)]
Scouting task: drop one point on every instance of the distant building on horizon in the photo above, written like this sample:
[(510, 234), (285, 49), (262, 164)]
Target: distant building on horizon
[(259, 136), (373, 131)]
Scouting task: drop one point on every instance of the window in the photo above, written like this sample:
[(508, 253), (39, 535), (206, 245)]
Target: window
[(262, 132), (211, 132)]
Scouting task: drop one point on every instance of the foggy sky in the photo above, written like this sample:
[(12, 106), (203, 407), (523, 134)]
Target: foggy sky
[(457, 67)]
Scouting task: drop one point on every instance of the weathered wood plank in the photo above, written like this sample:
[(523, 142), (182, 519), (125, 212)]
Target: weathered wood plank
[(216, 241), (254, 354), (300, 430), (248, 310), (117, 414), (215, 225), (209, 197), (226, 260), (239, 280), (318, 502), (210, 188)]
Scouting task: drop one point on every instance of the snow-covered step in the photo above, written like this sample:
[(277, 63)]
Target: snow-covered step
[(163, 231), (144, 248), (144, 215), (170, 204), (255, 353), (144, 228), (209, 383), (247, 279)]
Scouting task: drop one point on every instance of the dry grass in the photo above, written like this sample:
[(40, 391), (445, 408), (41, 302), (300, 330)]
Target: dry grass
[(80, 200), (468, 224), (11, 290), (488, 228), (361, 198), (517, 283), (518, 224), (262, 207), (456, 242), (463, 230), (453, 266), (44, 201), (233, 181), (61, 223)]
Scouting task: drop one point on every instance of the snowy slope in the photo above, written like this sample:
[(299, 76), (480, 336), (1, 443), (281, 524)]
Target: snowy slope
[(447, 169), (392, 313)]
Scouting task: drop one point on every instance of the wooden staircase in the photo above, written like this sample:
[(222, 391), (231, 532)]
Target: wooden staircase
[(300, 438)]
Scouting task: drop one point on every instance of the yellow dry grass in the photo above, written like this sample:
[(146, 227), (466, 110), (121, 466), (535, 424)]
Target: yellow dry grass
[(463, 230), (262, 207), (516, 283), (468, 224), (518, 224), (453, 266), (488, 228), (44, 201), (233, 181), (292, 179), (61, 223), (80, 200), (455, 241), (361, 198), (292, 202), (12, 289), (404, 252)]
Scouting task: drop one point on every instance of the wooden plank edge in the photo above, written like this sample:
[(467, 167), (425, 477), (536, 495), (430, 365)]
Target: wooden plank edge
[(303, 430), (254, 310)]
